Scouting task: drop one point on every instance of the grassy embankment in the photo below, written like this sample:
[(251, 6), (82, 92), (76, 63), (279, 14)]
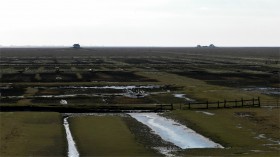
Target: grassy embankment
[(200, 90), (32, 134)]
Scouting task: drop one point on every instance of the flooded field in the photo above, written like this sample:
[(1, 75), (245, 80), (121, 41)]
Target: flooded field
[(176, 135), (134, 101), (174, 132)]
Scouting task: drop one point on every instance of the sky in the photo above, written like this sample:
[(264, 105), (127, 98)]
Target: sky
[(139, 22)]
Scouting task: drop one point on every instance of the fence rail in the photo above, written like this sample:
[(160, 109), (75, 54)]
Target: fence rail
[(225, 104), (164, 107)]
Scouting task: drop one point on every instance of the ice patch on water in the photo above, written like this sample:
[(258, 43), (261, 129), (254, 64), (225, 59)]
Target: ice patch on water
[(171, 131)]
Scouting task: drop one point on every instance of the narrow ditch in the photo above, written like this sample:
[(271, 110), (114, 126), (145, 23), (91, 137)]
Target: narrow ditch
[(72, 149), (173, 132)]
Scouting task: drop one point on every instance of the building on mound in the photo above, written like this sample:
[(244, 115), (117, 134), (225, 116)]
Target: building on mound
[(212, 46), (76, 46)]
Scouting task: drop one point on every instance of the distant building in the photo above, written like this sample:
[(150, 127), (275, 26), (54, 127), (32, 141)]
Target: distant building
[(202, 46), (212, 46), (76, 46)]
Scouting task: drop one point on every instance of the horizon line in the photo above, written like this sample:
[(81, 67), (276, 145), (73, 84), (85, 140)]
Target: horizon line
[(123, 46)]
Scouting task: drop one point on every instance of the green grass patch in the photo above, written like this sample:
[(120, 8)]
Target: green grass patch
[(105, 136), (239, 130), (200, 90), (32, 134)]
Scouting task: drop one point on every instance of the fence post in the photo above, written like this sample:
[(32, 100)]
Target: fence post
[(253, 102), (225, 103), (189, 105), (171, 106), (218, 104), (242, 103), (207, 104), (259, 102)]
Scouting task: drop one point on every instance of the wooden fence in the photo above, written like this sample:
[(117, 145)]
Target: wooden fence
[(225, 104), (164, 107)]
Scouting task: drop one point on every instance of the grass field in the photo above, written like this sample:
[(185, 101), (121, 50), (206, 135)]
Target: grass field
[(106, 136), (42, 77), (32, 134), (244, 132), (200, 90)]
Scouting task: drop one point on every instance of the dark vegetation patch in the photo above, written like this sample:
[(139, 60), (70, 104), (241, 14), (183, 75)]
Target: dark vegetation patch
[(105, 89), (79, 101), (98, 76), (59, 77), (167, 99), (18, 77), (92, 91), (49, 92), (114, 76), (233, 79), (8, 100), (127, 100), (11, 91), (140, 61)]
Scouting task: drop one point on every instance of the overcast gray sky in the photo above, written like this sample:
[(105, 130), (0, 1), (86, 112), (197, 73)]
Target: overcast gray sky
[(140, 22)]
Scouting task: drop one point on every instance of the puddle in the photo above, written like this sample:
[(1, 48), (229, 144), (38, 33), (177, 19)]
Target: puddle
[(113, 87), (171, 131), (183, 96), (138, 94), (207, 113), (168, 152), (239, 126), (260, 136), (264, 90), (179, 95), (95, 114), (72, 150)]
